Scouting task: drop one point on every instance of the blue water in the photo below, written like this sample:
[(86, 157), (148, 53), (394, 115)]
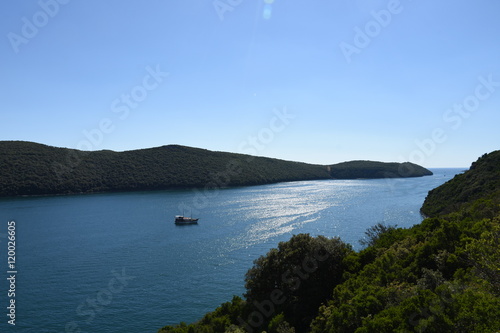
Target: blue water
[(117, 262)]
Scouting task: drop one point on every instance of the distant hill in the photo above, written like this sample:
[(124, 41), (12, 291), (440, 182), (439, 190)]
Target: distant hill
[(28, 168), (370, 169), (482, 180)]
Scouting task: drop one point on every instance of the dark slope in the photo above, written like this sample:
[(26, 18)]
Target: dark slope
[(28, 168), (35, 169), (482, 180), (370, 169)]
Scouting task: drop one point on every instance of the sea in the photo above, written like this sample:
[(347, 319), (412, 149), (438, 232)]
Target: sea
[(116, 262)]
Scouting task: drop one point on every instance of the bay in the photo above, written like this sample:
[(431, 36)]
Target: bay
[(117, 263)]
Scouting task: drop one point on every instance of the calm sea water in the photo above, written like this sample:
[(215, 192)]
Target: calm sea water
[(117, 262)]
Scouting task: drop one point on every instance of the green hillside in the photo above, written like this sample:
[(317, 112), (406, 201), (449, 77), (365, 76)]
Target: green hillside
[(440, 276), (481, 181), (370, 169), (28, 168)]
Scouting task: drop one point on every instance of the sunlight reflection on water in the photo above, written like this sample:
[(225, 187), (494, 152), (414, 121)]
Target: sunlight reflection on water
[(288, 207)]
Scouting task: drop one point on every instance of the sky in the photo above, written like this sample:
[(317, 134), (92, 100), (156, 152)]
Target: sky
[(313, 81)]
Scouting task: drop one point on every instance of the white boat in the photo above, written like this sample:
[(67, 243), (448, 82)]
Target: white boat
[(179, 219)]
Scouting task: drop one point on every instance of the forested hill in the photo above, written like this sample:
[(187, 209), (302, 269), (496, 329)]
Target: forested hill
[(371, 169), (28, 168), (481, 181)]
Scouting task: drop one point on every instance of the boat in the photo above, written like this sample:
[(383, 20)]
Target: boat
[(180, 219)]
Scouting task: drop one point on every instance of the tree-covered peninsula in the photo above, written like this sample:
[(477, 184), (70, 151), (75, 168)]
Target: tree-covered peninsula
[(440, 276), (28, 168)]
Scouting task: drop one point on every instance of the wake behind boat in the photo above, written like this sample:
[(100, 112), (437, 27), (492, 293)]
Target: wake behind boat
[(179, 219)]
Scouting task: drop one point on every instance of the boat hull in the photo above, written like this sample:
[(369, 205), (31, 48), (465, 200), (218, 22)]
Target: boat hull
[(185, 220), (185, 223)]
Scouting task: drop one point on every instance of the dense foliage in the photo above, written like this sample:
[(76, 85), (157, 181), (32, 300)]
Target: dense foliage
[(481, 181), (442, 275), (28, 168), (371, 169), (302, 272), (33, 169), (427, 278)]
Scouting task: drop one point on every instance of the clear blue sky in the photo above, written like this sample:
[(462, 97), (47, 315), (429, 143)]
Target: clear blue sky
[(313, 81)]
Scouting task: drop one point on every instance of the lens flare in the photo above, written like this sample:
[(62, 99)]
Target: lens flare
[(267, 11)]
